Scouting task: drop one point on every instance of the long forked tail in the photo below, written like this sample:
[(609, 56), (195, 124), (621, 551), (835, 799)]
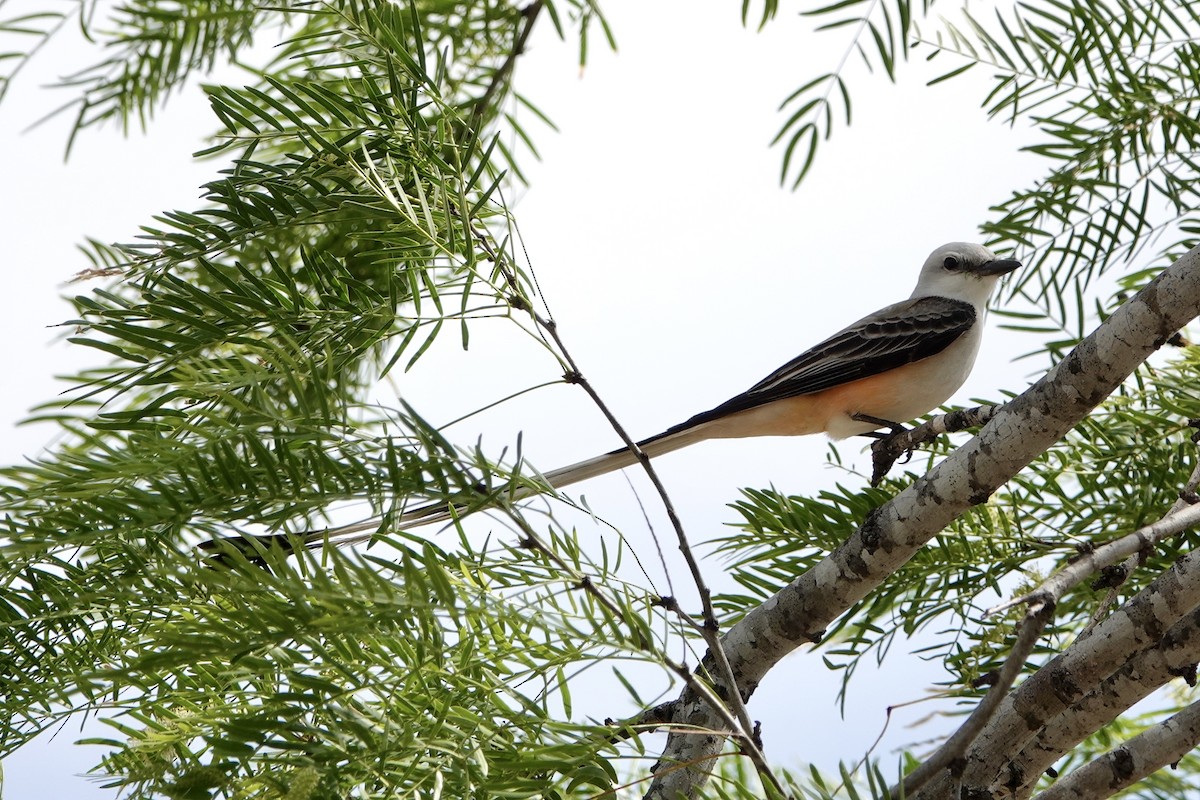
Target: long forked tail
[(214, 549)]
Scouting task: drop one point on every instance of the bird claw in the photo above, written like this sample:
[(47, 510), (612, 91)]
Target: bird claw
[(894, 428), (884, 452)]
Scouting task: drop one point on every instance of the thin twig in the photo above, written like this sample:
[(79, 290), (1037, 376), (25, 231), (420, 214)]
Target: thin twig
[(887, 721), (1118, 576), (530, 14), (710, 629), (1028, 631), (1053, 588), (662, 558), (745, 735)]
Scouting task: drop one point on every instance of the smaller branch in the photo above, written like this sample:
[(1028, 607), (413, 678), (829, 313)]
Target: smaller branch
[(1188, 496), (711, 627), (709, 630), (529, 13), (1142, 755), (698, 687), (888, 449), (1053, 588), (1114, 577), (1028, 631)]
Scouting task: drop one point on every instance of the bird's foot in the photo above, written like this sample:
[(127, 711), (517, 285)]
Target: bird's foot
[(895, 428), (888, 447)]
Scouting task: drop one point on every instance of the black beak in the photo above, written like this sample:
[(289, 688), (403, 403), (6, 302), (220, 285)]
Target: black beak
[(1001, 266)]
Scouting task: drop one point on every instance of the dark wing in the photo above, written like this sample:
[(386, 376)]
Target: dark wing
[(891, 337)]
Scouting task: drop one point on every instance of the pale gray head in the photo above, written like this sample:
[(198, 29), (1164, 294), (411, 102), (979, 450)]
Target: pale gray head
[(962, 271)]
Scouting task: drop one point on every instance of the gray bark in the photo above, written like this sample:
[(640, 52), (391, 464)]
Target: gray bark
[(890, 536)]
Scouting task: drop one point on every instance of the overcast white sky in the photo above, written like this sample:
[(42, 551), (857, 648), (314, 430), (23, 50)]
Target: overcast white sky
[(679, 271)]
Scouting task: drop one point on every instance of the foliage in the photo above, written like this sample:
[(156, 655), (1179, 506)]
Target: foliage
[(355, 217), (1118, 472)]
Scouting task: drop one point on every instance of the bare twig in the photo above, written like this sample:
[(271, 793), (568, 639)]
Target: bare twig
[(500, 76), (662, 558), (732, 699), (1028, 631), (709, 630), (744, 734)]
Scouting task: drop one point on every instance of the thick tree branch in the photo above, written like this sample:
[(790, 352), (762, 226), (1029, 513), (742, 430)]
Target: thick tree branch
[(1067, 678), (892, 534), (1173, 657), (1145, 753)]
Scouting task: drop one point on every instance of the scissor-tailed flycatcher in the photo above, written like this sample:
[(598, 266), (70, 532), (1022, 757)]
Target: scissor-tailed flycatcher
[(889, 367)]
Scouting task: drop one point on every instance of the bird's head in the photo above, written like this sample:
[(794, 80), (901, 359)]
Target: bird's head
[(962, 271)]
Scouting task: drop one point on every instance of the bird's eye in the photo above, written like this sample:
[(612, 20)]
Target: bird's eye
[(950, 263)]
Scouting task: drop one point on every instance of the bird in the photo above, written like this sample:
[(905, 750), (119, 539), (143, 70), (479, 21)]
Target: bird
[(889, 367)]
